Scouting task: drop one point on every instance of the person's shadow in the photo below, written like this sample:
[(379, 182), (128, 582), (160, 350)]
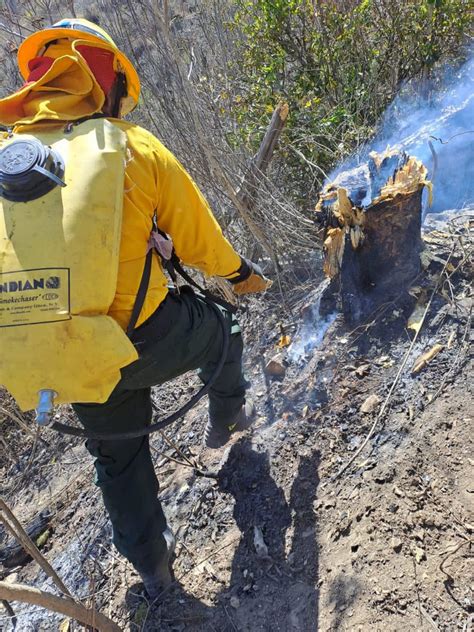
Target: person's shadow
[(304, 558), (285, 575), (273, 588)]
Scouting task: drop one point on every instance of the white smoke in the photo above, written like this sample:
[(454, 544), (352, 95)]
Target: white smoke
[(311, 334), (439, 130), (444, 118)]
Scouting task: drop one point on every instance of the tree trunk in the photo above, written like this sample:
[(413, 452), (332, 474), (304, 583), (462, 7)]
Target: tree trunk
[(371, 224)]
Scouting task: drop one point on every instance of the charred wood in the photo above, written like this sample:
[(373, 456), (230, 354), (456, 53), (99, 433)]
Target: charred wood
[(370, 220)]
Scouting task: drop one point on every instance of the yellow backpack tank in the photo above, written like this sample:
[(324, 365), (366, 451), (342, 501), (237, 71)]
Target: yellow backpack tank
[(59, 253)]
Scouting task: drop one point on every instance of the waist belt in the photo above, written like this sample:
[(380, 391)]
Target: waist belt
[(163, 246)]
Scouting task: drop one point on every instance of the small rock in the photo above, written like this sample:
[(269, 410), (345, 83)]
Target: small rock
[(419, 534), (420, 554), (275, 367), (234, 602), (43, 538), (396, 544), (385, 474), (362, 370), (259, 543), (370, 404)]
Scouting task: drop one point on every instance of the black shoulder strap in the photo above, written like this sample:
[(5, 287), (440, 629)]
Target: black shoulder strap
[(71, 124), (141, 294)]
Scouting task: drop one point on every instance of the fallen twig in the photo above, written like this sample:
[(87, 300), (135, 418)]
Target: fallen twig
[(417, 591), (456, 359), (234, 627), (429, 618), (6, 451), (15, 528), (208, 557), (459, 546), (63, 605), (187, 461), (445, 142), (10, 612), (15, 554), (24, 426)]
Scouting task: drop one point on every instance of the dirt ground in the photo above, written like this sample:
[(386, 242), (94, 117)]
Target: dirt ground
[(275, 540)]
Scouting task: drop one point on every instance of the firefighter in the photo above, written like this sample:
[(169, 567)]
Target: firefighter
[(79, 85)]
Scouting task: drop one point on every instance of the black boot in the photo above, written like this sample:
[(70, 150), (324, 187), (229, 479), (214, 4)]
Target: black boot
[(216, 436), (160, 578)]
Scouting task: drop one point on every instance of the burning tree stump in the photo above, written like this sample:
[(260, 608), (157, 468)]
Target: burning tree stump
[(371, 224)]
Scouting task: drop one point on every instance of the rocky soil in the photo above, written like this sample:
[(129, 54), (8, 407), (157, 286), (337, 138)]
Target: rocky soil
[(276, 540)]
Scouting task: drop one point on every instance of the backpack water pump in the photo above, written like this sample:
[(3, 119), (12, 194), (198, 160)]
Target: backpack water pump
[(29, 170)]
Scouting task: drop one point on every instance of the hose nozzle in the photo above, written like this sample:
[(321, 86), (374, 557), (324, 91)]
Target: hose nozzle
[(44, 411)]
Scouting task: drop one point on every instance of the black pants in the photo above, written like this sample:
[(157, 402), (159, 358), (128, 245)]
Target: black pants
[(184, 334)]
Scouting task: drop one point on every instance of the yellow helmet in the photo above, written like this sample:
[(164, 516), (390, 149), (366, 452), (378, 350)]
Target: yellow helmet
[(84, 30)]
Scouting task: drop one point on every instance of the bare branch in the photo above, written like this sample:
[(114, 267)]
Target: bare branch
[(62, 605), (14, 527)]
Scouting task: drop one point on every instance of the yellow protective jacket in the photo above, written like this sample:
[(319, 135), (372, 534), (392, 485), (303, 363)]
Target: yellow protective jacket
[(155, 180)]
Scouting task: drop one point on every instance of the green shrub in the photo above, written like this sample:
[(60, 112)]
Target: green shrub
[(338, 63)]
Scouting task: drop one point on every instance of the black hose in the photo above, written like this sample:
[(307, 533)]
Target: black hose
[(159, 425)]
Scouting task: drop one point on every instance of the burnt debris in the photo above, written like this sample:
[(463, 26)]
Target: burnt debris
[(370, 220)]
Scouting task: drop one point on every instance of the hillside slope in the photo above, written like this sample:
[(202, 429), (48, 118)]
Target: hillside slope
[(272, 541)]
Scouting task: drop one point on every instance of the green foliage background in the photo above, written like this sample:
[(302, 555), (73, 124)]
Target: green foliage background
[(338, 63)]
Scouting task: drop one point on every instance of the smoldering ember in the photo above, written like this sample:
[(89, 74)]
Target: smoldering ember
[(326, 487)]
